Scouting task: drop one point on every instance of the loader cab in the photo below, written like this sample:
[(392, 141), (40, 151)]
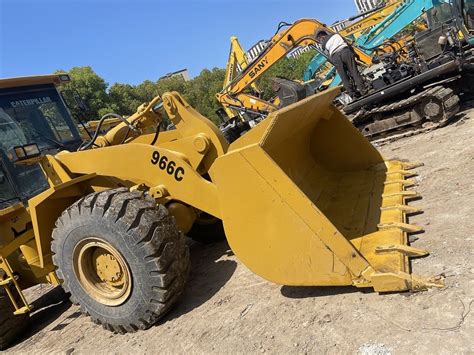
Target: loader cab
[(31, 111)]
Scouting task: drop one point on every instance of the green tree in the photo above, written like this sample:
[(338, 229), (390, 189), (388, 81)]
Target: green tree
[(124, 98), (91, 88), (202, 90), (147, 90), (171, 84)]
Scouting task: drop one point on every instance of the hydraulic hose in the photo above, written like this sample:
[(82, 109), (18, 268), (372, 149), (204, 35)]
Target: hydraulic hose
[(99, 126)]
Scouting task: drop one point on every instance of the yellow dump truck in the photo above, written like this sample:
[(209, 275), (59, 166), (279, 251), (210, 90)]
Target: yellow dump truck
[(303, 197)]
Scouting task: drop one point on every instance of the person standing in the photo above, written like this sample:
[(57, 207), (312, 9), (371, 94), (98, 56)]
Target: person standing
[(342, 56)]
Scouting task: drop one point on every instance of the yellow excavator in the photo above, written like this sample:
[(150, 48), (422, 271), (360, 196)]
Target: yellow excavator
[(235, 97), (319, 207), (237, 60), (300, 33)]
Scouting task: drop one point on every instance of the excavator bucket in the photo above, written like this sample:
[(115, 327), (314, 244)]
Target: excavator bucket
[(306, 200)]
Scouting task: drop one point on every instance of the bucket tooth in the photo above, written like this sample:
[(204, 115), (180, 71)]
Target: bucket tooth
[(402, 281), (409, 251), (408, 228), (410, 166), (402, 172), (402, 165), (411, 194), (419, 283), (405, 183), (404, 208)]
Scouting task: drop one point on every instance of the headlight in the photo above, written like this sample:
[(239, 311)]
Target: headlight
[(19, 153), (23, 152), (31, 150)]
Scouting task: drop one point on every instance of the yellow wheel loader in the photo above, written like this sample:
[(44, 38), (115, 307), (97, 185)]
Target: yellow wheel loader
[(319, 207)]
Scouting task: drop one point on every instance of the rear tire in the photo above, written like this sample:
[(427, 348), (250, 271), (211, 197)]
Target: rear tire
[(121, 257), (11, 326)]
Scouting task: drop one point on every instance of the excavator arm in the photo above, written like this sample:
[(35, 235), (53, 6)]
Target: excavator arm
[(404, 15), (371, 19), (236, 62), (301, 33)]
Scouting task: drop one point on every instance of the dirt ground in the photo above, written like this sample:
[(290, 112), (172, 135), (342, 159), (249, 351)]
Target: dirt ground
[(226, 308)]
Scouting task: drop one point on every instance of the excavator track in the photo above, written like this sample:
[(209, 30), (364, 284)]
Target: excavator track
[(434, 106)]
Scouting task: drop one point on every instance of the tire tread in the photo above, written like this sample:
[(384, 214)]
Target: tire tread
[(158, 242)]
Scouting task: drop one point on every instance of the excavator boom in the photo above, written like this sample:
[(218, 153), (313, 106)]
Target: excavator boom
[(368, 20), (236, 62)]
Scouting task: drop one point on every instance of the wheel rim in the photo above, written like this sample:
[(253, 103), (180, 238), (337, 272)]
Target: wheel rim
[(102, 271)]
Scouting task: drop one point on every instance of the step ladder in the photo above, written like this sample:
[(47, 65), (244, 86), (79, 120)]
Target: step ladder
[(8, 280)]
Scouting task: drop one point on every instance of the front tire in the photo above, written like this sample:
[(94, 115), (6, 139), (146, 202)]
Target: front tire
[(121, 257)]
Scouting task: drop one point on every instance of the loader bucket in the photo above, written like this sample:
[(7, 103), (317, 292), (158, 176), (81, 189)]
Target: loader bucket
[(306, 200)]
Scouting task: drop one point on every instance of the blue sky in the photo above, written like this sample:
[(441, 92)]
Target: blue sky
[(131, 41)]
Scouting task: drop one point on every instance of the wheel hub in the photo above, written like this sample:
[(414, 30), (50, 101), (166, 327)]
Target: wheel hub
[(107, 267), (102, 271)]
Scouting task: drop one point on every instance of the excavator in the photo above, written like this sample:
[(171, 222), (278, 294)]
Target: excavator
[(424, 88), (233, 121), (404, 14), (300, 33), (319, 207), (238, 60), (305, 29), (417, 65)]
